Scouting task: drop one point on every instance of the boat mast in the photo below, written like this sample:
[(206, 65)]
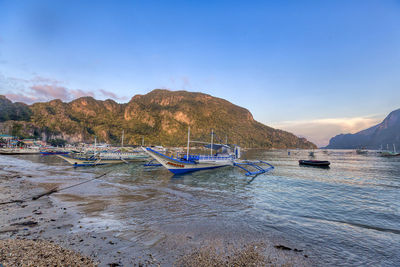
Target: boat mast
[(95, 141), (122, 139), (212, 139), (394, 148), (142, 140), (188, 143)]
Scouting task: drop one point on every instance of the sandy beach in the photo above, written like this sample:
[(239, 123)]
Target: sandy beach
[(51, 224)]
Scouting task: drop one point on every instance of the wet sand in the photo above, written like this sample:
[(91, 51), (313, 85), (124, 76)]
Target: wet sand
[(53, 219)]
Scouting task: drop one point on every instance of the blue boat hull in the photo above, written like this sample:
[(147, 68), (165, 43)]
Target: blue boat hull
[(182, 171)]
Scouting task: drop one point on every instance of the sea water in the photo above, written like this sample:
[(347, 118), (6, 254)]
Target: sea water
[(346, 215)]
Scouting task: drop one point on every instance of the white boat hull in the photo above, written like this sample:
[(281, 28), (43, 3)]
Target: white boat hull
[(76, 161), (19, 151)]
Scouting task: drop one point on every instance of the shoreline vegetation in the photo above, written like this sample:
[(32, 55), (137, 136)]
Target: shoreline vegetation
[(41, 232)]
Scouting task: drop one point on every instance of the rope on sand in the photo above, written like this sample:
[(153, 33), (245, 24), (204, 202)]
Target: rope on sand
[(51, 191)]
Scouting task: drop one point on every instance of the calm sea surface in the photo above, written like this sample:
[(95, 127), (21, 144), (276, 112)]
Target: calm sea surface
[(346, 215)]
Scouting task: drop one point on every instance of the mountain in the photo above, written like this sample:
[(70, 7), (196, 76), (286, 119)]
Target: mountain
[(13, 111), (386, 132), (162, 117)]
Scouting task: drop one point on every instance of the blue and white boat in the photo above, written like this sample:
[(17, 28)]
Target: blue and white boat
[(225, 155), (192, 163)]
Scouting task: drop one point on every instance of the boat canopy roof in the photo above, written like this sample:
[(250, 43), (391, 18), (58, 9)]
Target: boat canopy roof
[(214, 146), (217, 146)]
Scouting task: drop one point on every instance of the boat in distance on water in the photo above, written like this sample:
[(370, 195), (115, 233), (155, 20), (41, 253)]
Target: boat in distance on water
[(362, 151), (389, 153), (315, 163)]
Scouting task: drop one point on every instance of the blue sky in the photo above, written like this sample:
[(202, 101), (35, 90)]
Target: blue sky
[(316, 68)]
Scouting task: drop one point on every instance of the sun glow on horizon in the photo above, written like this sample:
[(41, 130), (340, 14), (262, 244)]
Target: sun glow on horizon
[(319, 131)]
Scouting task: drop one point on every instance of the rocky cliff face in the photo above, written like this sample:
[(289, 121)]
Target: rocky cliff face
[(387, 132), (162, 117)]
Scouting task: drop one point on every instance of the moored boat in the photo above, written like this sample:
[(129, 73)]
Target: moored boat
[(96, 159), (362, 151), (225, 155), (192, 163), (388, 153), (19, 151), (315, 163)]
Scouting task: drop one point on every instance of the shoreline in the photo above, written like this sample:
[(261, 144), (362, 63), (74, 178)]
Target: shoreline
[(56, 220), (49, 219)]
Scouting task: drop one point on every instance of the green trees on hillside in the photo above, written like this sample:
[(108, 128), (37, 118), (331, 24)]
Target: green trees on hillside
[(57, 142), (161, 116)]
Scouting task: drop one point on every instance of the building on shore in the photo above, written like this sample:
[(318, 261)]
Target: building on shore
[(6, 137)]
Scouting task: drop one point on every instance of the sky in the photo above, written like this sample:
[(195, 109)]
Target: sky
[(314, 68)]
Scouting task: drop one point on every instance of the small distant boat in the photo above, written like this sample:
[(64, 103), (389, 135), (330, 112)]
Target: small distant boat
[(362, 151), (315, 163), (388, 153)]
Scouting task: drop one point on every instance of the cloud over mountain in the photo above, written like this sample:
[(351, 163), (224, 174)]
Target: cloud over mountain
[(42, 89)]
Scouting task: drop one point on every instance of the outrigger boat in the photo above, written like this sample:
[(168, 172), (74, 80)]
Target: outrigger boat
[(226, 156), (315, 163), (19, 151), (103, 158)]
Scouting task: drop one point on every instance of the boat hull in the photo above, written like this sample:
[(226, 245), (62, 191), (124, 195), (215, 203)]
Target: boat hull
[(18, 152), (79, 162), (389, 154), (177, 166), (186, 170), (314, 163), (44, 153)]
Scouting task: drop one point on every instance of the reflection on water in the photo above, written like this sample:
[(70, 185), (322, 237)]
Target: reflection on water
[(348, 214)]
